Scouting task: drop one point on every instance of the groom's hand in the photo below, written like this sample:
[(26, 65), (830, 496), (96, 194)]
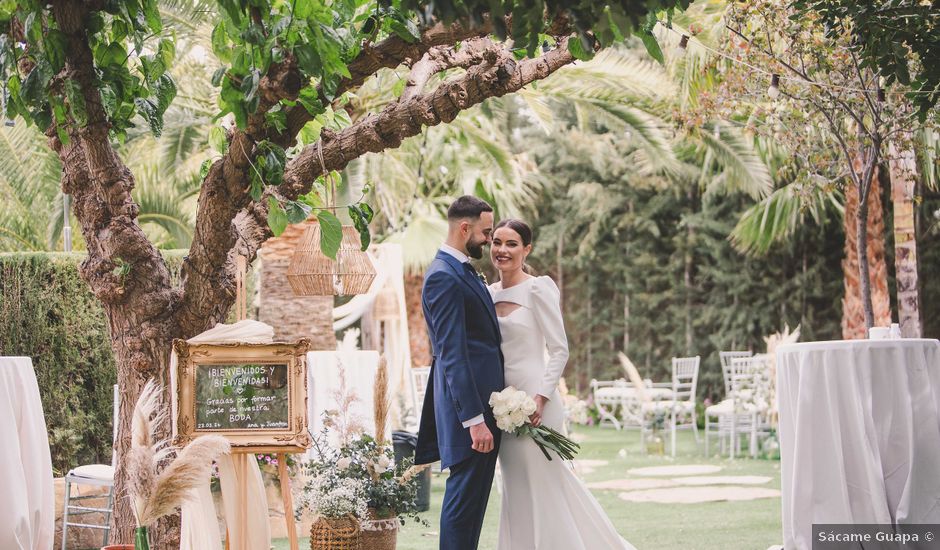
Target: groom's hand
[(482, 438)]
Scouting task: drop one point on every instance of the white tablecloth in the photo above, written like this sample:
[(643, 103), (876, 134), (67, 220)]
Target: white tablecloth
[(27, 500), (859, 434)]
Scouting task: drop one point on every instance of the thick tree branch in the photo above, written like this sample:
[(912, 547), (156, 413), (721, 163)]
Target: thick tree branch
[(499, 75), (387, 54), (441, 58)]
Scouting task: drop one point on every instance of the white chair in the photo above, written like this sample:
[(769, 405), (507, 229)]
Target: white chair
[(98, 475), (681, 408), (608, 395), (721, 411), (419, 386), (749, 408)]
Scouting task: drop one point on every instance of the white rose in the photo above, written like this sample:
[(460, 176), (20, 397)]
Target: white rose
[(518, 418), (343, 463), (529, 406), (383, 463)]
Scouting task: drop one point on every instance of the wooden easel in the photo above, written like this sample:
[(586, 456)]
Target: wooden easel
[(241, 313)]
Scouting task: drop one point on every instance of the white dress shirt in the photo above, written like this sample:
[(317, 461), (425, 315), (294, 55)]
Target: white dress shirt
[(464, 259)]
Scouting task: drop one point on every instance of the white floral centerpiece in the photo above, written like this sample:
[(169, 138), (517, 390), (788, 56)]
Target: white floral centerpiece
[(512, 409)]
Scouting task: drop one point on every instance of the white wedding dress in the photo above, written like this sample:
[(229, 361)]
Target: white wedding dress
[(545, 506)]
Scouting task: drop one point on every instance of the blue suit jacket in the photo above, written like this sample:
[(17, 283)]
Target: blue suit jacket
[(467, 365)]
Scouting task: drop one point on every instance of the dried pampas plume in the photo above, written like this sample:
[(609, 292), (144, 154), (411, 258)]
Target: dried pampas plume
[(380, 401), (157, 494), (412, 472)]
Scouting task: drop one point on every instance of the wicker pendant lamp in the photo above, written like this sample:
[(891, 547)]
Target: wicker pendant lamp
[(313, 273)]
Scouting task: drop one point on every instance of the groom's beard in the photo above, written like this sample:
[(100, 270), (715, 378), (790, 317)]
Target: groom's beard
[(475, 251)]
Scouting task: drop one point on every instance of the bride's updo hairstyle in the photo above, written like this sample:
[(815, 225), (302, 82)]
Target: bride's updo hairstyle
[(524, 231)]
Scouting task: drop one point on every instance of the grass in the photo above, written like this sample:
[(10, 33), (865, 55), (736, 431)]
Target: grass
[(745, 525)]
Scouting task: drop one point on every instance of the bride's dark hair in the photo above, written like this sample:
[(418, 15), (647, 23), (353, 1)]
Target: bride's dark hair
[(524, 231)]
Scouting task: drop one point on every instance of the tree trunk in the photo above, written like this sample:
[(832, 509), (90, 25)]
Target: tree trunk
[(854, 324), (903, 169), (417, 328)]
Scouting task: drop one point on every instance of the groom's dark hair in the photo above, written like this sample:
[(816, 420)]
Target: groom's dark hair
[(467, 206)]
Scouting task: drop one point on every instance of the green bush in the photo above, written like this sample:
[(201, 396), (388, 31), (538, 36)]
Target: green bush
[(48, 313)]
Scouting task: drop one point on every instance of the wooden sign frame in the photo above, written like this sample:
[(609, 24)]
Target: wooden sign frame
[(295, 438)]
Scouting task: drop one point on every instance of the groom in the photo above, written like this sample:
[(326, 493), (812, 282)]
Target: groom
[(457, 424)]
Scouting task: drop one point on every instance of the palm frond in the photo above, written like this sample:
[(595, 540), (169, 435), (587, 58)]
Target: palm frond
[(778, 216), (742, 169)]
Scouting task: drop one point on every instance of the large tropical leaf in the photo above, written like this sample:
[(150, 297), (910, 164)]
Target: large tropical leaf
[(742, 168), (777, 217)]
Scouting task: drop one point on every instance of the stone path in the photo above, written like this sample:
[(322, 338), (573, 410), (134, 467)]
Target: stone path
[(682, 484)]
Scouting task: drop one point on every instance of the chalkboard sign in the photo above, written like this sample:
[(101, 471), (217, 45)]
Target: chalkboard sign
[(242, 397), (253, 394)]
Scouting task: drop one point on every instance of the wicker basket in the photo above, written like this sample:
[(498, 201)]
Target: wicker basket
[(312, 273), (379, 533), (335, 534)]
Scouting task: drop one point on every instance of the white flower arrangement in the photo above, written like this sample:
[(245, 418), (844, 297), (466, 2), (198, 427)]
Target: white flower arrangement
[(576, 409), (512, 409), (334, 497)]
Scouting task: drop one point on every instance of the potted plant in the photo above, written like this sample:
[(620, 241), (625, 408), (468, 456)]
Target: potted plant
[(340, 505)]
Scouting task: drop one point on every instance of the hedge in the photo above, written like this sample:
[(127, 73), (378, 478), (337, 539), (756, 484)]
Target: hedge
[(49, 314)]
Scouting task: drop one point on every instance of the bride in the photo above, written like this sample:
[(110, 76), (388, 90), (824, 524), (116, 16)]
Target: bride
[(544, 504)]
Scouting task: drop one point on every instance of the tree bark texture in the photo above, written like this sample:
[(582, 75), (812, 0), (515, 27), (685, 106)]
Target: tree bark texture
[(903, 170), (854, 325)]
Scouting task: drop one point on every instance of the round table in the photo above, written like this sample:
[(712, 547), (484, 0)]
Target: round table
[(27, 515), (859, 434)]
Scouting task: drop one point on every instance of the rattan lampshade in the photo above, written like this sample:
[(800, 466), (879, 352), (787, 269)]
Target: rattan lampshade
[(312, 273), (386, 305)]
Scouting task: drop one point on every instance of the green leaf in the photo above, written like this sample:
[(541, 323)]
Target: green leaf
[(167, 52), (152, 15), (204, 168), (311, 102), (113, 54), (578, 50), (310, 133), (165, 91), (277, 218), (308, 59), (55, 46), (217, 139), (217, 76), (297, 211), (220, 45), (331, 233), (73, 92), (652, 47), (277, 120)]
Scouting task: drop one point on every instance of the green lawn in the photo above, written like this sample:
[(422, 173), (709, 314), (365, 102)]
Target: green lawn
[(747, 525)]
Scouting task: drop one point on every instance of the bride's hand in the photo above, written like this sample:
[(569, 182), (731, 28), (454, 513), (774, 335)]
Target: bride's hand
[(536, 417)]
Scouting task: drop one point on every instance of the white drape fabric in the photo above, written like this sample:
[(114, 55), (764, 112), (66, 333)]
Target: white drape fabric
[(27, 504), (200, 528), (391, 334), (324, 372), (859, 434)]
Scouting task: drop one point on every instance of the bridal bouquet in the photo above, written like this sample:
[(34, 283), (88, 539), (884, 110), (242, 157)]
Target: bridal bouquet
[(512, 409)]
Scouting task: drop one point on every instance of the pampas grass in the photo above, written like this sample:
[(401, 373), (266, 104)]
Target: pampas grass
[(154, 494), (412, 472), (380, 401)]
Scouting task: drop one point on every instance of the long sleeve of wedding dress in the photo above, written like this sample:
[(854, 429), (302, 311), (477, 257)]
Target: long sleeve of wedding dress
[(546, 305), (545, 506)]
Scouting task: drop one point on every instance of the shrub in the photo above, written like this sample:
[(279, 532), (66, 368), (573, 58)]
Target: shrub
[(48, 313)]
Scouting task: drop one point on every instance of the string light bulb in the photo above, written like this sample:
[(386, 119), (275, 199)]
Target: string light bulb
[(774, 91), (683, 44)]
